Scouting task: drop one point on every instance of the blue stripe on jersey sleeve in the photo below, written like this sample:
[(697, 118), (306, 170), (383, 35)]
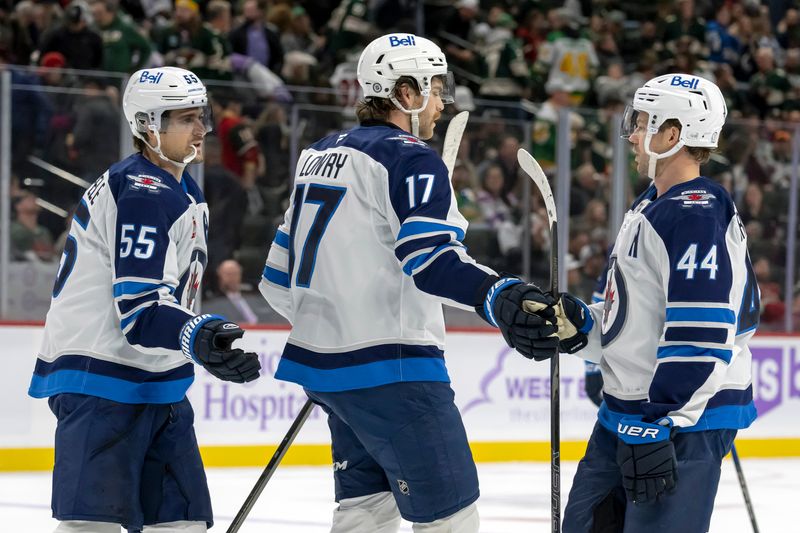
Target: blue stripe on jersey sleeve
[(402, 251), (363, 376), (128, 319), (414, 263), (276, 276), (696, 334), (700, 314), (137, 287), (128, 305), (281, 239), (420, 227), (686, 350)]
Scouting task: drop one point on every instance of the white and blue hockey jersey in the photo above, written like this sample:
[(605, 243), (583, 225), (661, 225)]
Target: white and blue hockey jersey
[(125, 287), (369, 249), (680, 303)]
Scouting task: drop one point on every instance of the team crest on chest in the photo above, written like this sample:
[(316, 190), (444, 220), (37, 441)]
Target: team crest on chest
[(615, 306)]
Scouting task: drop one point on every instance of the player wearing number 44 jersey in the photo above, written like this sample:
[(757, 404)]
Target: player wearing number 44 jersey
[(680, 304), (121, 338), (369, 249)]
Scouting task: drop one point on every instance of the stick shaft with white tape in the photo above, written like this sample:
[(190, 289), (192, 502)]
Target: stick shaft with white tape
[(452, 140), (532, 169)]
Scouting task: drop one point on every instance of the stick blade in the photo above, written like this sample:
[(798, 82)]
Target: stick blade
[(452, 140), (532, 169)]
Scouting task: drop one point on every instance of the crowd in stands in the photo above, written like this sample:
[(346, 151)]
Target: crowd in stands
[(278, 68)]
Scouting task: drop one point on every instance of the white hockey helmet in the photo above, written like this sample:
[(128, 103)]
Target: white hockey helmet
[(695, 102), (386, 59), (151, 92)]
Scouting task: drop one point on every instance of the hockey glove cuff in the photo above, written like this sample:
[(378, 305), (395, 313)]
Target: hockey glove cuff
[(646, 458), (531, 335), (207, 340)]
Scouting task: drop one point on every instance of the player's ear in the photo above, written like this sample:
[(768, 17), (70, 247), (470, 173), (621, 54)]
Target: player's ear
[(404, 94)]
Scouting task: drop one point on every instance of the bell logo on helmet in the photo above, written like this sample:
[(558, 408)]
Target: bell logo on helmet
[(405, 41), (146, 77), (678, 81)]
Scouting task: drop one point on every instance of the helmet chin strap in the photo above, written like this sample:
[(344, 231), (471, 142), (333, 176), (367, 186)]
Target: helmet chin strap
[(413, 112), (654, 157), (157, 149)]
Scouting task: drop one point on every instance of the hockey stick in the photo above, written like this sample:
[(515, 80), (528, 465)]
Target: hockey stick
[(745, 492), (532, 169), (271, 467), (452, 140)]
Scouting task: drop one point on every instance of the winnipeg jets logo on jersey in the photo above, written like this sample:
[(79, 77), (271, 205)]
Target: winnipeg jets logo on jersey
[(407, 139), (147, 183), (698, 197), (615, 307)]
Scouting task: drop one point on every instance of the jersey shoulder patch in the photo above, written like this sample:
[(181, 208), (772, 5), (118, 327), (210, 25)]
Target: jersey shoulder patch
[(698, 200)]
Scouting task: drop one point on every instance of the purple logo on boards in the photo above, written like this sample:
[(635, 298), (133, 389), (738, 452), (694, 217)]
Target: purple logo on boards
[(776, 377)]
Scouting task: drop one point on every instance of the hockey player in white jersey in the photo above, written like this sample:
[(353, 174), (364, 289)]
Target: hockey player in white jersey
[(681, 302), (369, 249), (121, 338)]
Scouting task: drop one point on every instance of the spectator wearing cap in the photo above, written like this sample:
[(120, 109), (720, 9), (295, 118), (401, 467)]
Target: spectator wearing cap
[(124, 48), (81, 45), (256, 39), (29, 239), (190, 44)]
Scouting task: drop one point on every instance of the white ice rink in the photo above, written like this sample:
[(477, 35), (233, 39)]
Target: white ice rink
[(514, 498)]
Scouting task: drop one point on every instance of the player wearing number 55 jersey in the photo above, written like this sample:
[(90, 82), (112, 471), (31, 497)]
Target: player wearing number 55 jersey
[(670, 336), (121, 337), (369, 249)]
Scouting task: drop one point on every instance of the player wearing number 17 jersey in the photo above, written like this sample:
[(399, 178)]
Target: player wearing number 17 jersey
[(369, 249), (121, 336)]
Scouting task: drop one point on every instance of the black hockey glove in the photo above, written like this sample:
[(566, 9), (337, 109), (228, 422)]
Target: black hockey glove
[(531, 335), (207, 340), (646, 459), (574, 320)]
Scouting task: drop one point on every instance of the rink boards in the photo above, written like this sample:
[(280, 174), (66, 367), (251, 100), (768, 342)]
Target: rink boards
[(503, 397)]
